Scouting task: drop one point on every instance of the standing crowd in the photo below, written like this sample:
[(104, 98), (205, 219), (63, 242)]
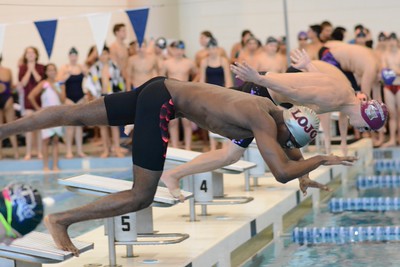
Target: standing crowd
[(372, 69)]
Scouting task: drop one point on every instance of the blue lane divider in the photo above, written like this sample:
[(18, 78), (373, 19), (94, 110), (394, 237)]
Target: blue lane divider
[(387, 165), (321, 235), (386, 153), (378, 181), (364, 204)]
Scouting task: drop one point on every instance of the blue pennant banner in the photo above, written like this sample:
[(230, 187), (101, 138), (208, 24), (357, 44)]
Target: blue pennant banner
[(47, 31), (138, 18)]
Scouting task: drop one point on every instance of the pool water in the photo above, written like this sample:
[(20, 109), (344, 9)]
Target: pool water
[(290, 254), (59, 198)]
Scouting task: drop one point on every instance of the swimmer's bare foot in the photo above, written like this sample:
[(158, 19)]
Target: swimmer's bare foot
[(377, 143), (27, 157), (16, 155), (119, 153), (172, 184), (104, 154), (56, 169), (69, 155), (60, 234), (82, 155), (46, 169), (389, 143), (40, 156)]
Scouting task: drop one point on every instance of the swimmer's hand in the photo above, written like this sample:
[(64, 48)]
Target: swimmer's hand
[(305, 182), (336, 160), (245, 72), (300, 59)]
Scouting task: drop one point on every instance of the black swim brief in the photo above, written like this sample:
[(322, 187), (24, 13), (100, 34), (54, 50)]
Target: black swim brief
[(150, 108)]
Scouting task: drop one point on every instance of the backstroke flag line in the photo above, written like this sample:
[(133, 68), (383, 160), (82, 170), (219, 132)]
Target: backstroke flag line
[(47, 31), (138, 18), (99, 24)]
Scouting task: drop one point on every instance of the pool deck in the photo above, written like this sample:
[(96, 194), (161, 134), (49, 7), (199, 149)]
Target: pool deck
[(214, 237)]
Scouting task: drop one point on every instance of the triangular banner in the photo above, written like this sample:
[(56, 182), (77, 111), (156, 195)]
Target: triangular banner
[(138, 18), (99, 25), (47, 31), (2, 33)]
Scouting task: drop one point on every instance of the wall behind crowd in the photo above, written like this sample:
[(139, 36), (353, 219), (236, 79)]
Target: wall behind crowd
[(73, 30), (227, 18), (184, 19)]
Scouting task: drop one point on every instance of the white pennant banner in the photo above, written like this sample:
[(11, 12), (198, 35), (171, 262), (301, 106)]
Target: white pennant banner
[(99, 24), (2, 32)]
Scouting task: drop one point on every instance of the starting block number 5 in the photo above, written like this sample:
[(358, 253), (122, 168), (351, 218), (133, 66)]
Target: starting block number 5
[(125, 229)]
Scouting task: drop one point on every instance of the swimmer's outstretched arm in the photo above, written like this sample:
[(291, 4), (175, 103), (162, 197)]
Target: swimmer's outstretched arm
[(285, 169), (93, 113), (301, 60), (304, 181), (301, 87)]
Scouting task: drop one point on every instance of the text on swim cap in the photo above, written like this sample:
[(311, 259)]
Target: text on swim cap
[(303, 122)]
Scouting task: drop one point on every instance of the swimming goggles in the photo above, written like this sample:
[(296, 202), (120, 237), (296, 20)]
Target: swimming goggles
[(4, 222)]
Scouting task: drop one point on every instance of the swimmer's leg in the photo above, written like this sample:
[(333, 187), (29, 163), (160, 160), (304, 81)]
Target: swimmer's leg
[(139, 197), (93, 113)]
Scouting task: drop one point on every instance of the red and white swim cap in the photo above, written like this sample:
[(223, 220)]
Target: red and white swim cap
[(374, 114)]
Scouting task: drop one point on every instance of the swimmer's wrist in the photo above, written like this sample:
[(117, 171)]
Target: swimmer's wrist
[(323, 159), (260, 78)]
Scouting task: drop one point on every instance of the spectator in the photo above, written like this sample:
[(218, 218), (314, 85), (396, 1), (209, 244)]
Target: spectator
[(205, 37), (315, 43), (30, 74), (7, 113), (180, 68), (214, 69), (72, 75), (51, 94), (338, 33), (105, 78), (238, 47), (141, 67), (250, 52), (302, 40), (92, 57), (270, 59), (118, 49), (326, 31)]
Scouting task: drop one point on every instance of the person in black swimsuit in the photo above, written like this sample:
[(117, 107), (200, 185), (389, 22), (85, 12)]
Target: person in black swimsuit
[(150, 108), (214, 69), (7, 113), (72, 75)]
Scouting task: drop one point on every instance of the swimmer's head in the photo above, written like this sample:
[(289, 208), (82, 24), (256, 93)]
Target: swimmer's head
[(302, 36), (73, 55), (374, 114), (271, 39), (393, 36), (271, 45), (212, 43), (178, 44), (382, 37), (314, 31), (302, 123), (21, 209), (161, 43), (73, 51)]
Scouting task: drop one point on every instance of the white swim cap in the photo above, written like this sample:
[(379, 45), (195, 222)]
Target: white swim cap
[(26, 206), (303, 124)]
